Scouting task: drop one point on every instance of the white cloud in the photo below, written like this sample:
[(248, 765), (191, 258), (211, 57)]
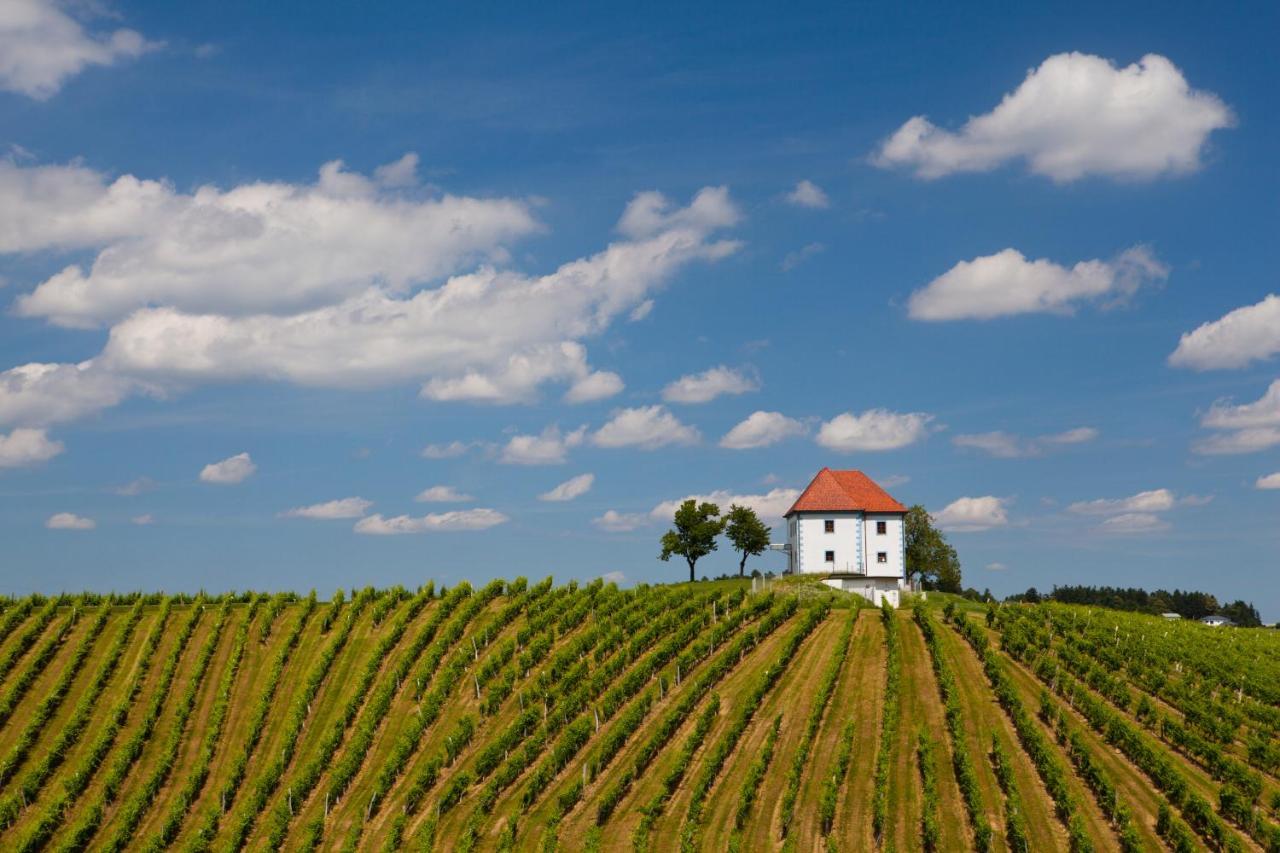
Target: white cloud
[(808, 194), (1134, 523), (144, 520), (38, 394), (770, 505), (341, 508), (873, 430), (570, 489), (550, 447), (465, 519), (599, 385), (1004, 445), (136, 487), (651, 213), (706, 386), (796, 258), (442, 494), (1154, 500), (613, 577), (997, 567), (647, 427), (228, 472), (621, 522), (446, 451), (69, 521), (1075, 115), (332, 285), (23, 448), (968, 515), (644, 309), (1246, 428), (261, 248), (762, 429), (1243, 336), (893, 480), (41, 46), (1007, 284), (1268, 481)]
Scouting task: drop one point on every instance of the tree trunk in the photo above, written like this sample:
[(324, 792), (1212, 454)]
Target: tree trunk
[(742, 565), (691, 578)]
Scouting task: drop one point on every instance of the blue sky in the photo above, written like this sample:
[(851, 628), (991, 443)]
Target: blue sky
[(1014, 264)]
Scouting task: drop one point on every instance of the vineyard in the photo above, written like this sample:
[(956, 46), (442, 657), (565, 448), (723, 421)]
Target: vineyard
[(519, 716)]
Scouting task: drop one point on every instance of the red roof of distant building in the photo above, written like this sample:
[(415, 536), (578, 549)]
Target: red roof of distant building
[(844, 491)]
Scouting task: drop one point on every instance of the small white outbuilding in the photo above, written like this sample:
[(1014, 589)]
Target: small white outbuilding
[(851, 532)]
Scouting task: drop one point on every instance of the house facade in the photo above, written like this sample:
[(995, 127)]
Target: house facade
[(852, 533)]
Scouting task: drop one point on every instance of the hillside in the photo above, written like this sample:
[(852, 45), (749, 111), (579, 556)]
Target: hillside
[(519, 716)]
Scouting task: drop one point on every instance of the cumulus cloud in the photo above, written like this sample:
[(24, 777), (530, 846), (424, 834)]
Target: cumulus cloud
[(599, 385), (1004, 445), (798, 257), (41, 47), (651, 213), (38, 394), (807, 194), (23, 448), (647, 427), (447, 450), (613, 577), (1268, 481), (1134, 523), (228, 472), (69, 521), (706, 386), (762, 429), (621, 522), (1075, 115), (770, 505), (144, 520), (570, 489), (1007, 284), (464, 519), (1237, 339), (341, 508), (550, 447), (1244, 428), (442, 494), (873, 430), (1154, 500), (997, 567), (133, 488), (260, 248), (968, 515)]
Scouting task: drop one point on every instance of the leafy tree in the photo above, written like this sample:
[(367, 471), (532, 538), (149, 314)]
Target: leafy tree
[(929, 556), (749, 535), (1243, 613), (696, 527)]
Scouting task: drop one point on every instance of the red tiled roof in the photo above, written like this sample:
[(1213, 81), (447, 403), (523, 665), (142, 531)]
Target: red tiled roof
[(843, 491)]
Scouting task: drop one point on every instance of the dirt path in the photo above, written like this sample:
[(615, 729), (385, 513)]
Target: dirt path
[(47, 676), (860, 696), (990, 719), (790, 697)]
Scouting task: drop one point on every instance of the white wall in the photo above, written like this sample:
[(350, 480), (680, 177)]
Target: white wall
[(875, 590), (891, 543), (812, 542)]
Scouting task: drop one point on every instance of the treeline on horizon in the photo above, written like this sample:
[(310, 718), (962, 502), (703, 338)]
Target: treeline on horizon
[(1188, 604)]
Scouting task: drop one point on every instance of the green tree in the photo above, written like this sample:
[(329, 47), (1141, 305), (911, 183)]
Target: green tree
[(696, 527), (929, 556), (749, 535)]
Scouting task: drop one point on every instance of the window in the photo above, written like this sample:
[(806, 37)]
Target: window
[(882, 556), (831, 556), (830, 525), (882, 527)]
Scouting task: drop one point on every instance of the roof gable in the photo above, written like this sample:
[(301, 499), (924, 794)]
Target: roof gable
[(844, 491)]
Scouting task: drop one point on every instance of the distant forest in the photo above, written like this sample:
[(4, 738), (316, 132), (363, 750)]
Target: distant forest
[(1187, 604)]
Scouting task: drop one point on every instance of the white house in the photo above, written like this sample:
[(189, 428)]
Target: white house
[(1215, 621), (851, 532)]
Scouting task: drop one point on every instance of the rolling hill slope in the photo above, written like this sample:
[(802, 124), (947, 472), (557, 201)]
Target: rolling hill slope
[(703, 716)]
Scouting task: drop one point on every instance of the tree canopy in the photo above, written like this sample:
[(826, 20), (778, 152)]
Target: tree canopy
[(694, 536), (749, 535), (929, 556)]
